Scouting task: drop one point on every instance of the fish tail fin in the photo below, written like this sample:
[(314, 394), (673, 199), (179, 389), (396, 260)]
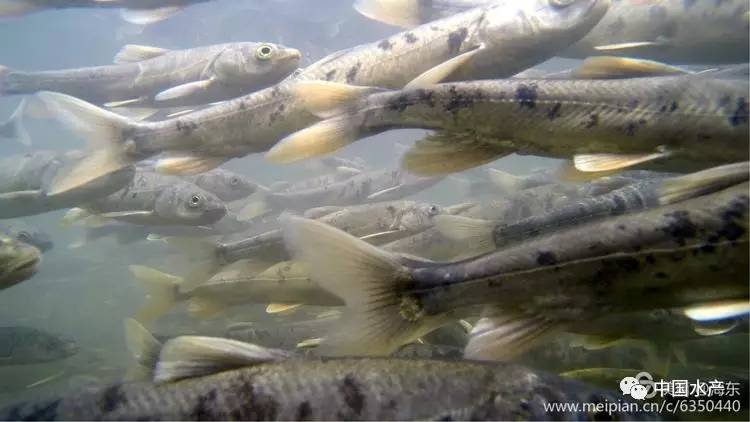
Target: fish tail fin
[(143, 347), (680, 188), (104, 133), (477, 234), (381, 315), (401, 13), (9, 8), (162, 292), (14, 128)]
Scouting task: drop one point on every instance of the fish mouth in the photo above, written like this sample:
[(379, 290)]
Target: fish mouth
[(23, 267)]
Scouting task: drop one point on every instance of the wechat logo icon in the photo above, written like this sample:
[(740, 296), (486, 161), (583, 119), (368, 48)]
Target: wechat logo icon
[(637, 386)]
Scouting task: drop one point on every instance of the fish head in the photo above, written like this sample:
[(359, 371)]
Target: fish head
[(46, 347), (554, 23), (36, 238), (226, 185), (419, 217), (18, 261), (256, 63), (187, 204)]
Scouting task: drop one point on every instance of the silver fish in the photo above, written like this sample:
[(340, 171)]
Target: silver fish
[(155, 199), (25, 181), (495, 41), (273, 386), (18, 261), (606, 125), (25, 345), (155, 77), (536, 286), (140, 12), (28, 234), (661, 30)]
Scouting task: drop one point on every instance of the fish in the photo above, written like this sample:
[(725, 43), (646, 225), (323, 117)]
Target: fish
[(659, 30), (29, 235), (225, 184), (26, 179), (253, 123), (146, 76), (258, 270), (363, 187), (25, 345), (140, 12), (604, 125), (237, 380), (536, 287), (155, 199), (18, 261), (486, 235)]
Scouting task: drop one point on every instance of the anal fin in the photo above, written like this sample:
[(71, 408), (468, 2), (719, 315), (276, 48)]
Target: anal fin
[(194, 356), (450, 152), (503, 337)]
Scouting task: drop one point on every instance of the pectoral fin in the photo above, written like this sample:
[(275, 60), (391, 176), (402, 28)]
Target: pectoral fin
[(383, 237), (185, 91), (610, 67), (593, 163), (450, 152), (326, 99), (127, 214), (124, 103), (718, 310), (277, 308), (633, 46), (444, 70), (132, 53), (149, 16)]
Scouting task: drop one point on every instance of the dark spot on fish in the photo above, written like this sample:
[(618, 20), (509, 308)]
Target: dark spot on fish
[(455, 39), (617, 26), (425, 97), (399, 103), (674, 106), (204, 407), (40, 412), (457, 100), (385, 45), (740, 115), (630, 128), (353, 398), (255, 405), (304, 411), (111, 398), (242, 105), (619, 208), (330, 75), (593, 121), (410, 38), (680, 227), (546, 258), (351, 75), (277, 113), (661, 275), (554, 112), (526, 96), (663, 109), (185, 126), (276, 91)]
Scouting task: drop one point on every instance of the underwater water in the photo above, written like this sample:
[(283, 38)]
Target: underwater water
[(576, 313)]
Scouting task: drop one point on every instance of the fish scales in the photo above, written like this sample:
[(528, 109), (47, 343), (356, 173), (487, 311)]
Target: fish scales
[(332, 389)]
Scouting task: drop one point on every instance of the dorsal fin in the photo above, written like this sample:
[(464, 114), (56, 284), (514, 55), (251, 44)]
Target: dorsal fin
[(132, 53)]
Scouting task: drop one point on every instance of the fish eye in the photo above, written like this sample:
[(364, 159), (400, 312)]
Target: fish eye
[(562, 3), (234, 181), (24, 236), (433, 210), (264, 52), (195, 201)]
